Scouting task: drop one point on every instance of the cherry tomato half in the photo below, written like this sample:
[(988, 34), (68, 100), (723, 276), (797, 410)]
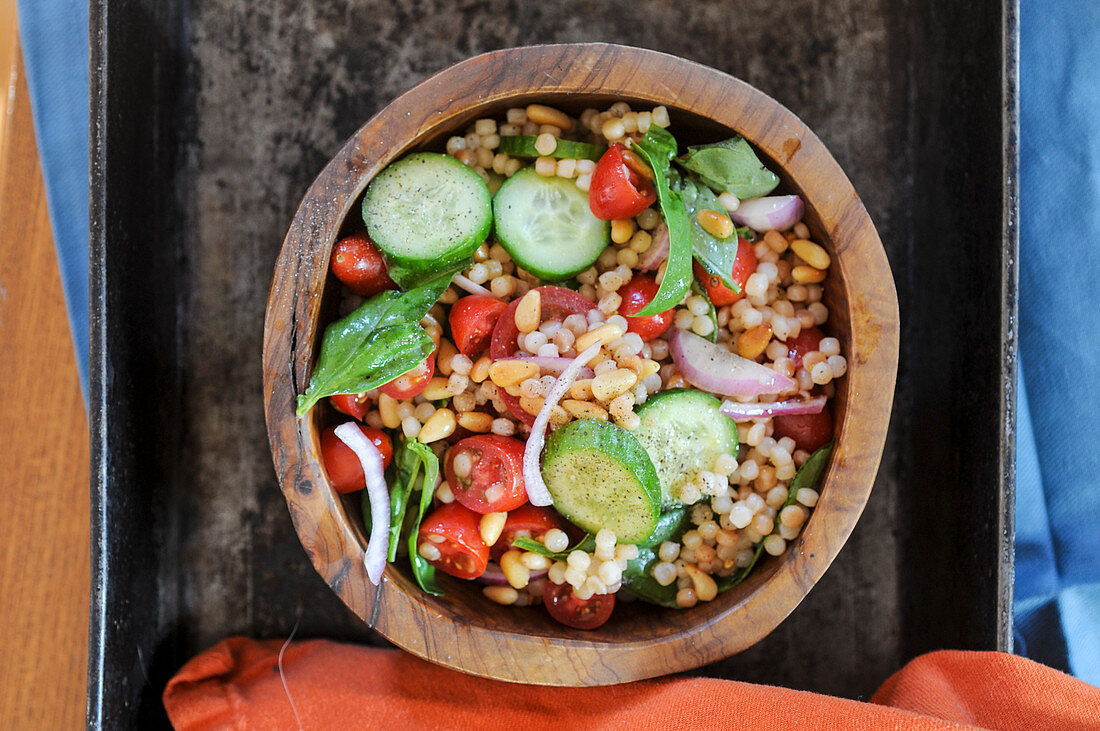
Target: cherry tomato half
[(412, 383), (351, 404), (528, 521), (743, 266), (557, 303), (565, 607), (808, 340), (485, 473), (472, 320), (453, 531), (809, 431), (343, 468), (636, 294), (359, 265), (617, 191)]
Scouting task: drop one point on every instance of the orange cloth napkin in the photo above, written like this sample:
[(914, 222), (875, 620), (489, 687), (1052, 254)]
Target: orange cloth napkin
[(236, 685)]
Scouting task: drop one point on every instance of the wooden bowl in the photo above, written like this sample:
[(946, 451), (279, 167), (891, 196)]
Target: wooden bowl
[(464, 630)]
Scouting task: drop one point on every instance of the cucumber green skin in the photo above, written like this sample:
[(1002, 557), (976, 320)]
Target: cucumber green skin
[(518, 253), (671, 440), (589, 449), (474, 231), (524, 146)]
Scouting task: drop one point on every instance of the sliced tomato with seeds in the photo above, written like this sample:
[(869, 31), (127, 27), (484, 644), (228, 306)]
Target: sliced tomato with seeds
[(342, 465), (568, 609), (617, 190), (472, 320), (485, 473), (557, 303), (529, 521), (636, 294), (454, 544)]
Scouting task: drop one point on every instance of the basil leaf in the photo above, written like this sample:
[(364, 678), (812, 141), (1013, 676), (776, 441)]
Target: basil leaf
[(731, 165), (712, 314), (808, 475), (638, 580), (657, 148), (375, 344), (716, 255), (407, 462), (424, 572), (586, 544), (409, 277)]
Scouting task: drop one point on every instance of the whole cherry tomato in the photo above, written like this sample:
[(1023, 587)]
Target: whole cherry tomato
[(808, 340), (485, 473), (343, 467), (743, 266), (557, 303), (565, 607), (809, 431), (472, 320), (636, 294), (528, 521), (359, 265), (617, 191), (352, 404), (452, 530)]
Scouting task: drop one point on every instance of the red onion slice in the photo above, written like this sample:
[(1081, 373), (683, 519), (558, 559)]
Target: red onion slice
[(711, 367), (740, 412), (537, 491), (555, 366), (651, 258), (374, 560), (494, 576), (472, 287), (775, 211)]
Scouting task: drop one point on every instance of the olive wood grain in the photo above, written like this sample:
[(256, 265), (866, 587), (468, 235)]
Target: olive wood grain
[(464, 630)]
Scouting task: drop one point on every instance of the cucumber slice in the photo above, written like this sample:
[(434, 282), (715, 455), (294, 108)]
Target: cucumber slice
[(546, 226), (427, 211), (684, 433), (524, 146), (601, 477)]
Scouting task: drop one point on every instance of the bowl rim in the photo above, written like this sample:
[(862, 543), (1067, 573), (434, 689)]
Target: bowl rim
[(397, 608)]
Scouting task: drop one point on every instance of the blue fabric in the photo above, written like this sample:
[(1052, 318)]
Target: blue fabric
[(1058, 430), (54, 37)]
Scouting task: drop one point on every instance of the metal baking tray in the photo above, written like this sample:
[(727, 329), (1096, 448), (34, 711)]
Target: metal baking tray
[(209, 120)]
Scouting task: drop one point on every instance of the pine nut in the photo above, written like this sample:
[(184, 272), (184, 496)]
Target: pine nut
[(705, 587), (637, 164), (649, 367), (754, 341), (446, 353), (715, 224), (480, 370), (776, 241), (440, 426), (584, 409), (609, 385), (437, 389), (535, 561), (581, 389), (531, 405), (529, 312), (491, 526), (540, 114), (622, 229), (476, 421), (811, 253), (512, 372), (505, 595), (606, 332), (807, 275), (387, 409), (515, 572)]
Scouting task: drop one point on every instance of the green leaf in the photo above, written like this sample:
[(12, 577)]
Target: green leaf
[(424, 572), (410, 277), (731, 165), (407, 462), (587, 544), (808, 475), (638, 580), (376, 343), (712, 314), (716, 255), (658, 147)]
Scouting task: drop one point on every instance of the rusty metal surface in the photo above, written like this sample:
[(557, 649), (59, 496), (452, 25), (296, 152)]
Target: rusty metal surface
[(238, 107)]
